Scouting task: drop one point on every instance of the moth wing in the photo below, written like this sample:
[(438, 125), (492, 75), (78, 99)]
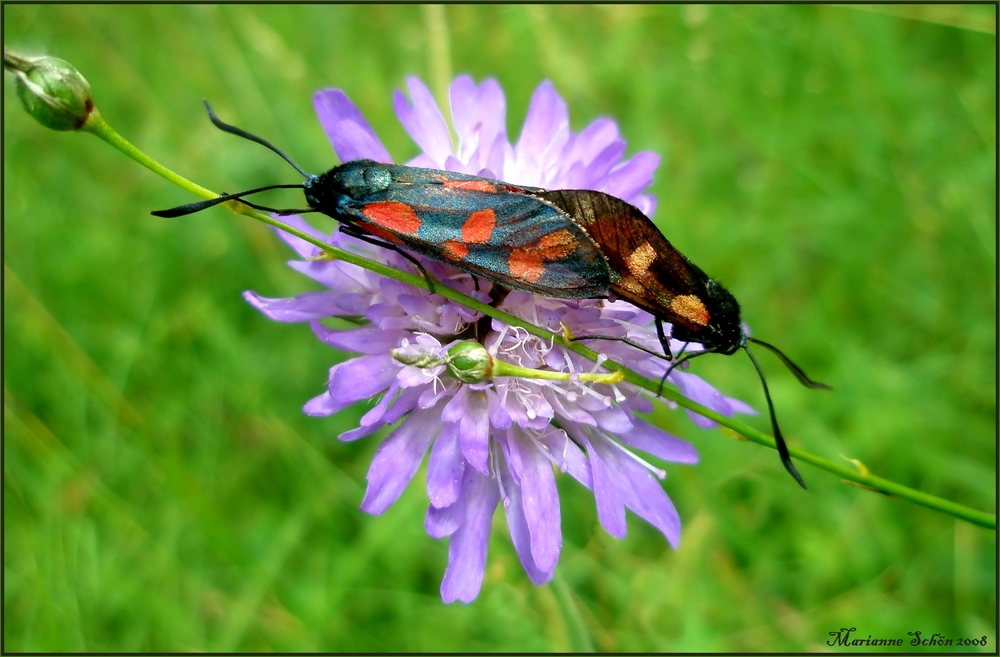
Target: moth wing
[(508, 237), (647, 270)]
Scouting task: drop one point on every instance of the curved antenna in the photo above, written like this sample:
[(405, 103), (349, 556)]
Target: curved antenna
[(795, 369), (779, 440), (198, 206), (233, 130)]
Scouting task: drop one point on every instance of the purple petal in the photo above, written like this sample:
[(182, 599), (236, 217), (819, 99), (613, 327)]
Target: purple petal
[(571, 411), (299, 245), (642, 493), (405, 403), (646, 204), (365, 340), (423, 162), (303, 308), (418, 306), (350, 134), (397, 460), (444, 521), (423, 121), (355, 142), (697, 389), (337, 275), (362, 377), (638, 489), (372, 420), (540, 500), (461, 94), (323, 405), (655, 441), (519, 530), (499, 417), (740, 406), (467, 549), (569, 457), (497, 156), (327, 273), (633, 176), (613, 420), (592, 140), (610, 507), (597, 171), (470, 408), (445, 467), (547, 116), (479, 116)]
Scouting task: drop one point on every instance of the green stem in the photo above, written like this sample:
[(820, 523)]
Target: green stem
[(99, 127), (576, 627), (501, 368)]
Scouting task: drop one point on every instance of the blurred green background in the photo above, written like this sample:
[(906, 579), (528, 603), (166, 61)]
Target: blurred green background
[(833, 166)]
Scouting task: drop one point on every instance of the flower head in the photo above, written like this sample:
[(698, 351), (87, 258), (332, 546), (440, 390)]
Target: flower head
[(491, 440)]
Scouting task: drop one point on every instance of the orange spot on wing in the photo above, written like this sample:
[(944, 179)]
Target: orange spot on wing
[(474, 185), (454, 250), (557, 245), (690, 308), (395, 216), (528, 263), (479, 226)]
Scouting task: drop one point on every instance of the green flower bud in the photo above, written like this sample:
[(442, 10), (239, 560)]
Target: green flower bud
[(469, 362), (51, 90)]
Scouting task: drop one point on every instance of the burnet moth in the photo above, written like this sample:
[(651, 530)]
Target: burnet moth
[(567, 244), (487, 228)]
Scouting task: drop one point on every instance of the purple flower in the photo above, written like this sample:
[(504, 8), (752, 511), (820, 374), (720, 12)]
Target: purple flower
[(492, 442)]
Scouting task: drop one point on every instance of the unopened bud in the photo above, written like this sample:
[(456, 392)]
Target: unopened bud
[(51, 90), (469, 362)]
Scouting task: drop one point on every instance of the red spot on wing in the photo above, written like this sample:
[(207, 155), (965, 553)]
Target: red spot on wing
[(528, 263), (454, 250), (479, 226), (378, 231), (395, 216), (474, 185)]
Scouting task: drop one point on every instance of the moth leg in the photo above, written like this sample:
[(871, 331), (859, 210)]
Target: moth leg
[(665, 343), (660, 334), (364, 237), (662, 337), (629, 342)]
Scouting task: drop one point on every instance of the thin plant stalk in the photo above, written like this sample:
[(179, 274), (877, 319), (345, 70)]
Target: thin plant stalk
[(100, 127)]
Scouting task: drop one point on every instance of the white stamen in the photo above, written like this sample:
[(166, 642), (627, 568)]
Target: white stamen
[(660, 474), (496, 473)]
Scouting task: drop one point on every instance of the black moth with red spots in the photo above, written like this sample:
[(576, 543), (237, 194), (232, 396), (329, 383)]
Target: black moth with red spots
[(491, 229), (569, 244)]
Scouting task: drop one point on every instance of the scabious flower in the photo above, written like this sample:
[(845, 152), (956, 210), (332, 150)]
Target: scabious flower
[(494, 441)]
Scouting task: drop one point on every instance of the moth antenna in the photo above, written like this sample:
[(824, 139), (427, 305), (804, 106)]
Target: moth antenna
[(233, 130), (795, 369), (779, 440), (198, 206)]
